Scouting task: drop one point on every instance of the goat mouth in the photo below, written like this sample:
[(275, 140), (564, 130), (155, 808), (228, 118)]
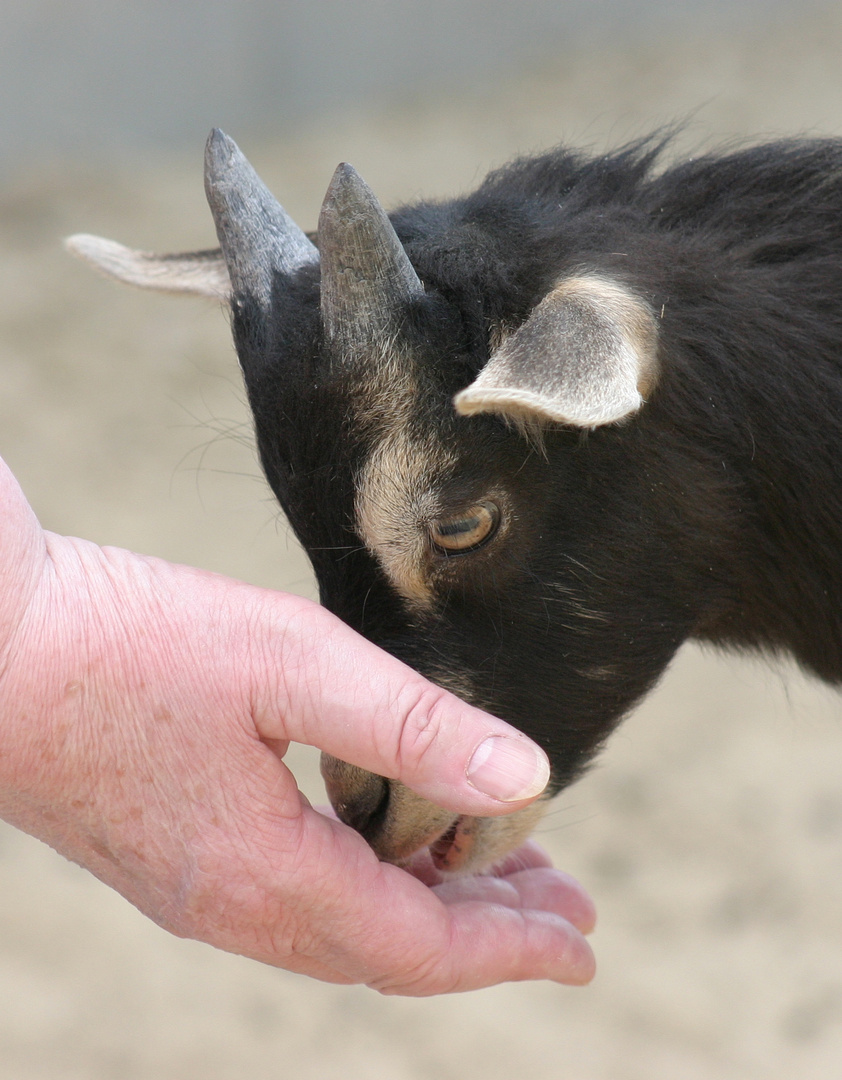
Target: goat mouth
[(453, 848)]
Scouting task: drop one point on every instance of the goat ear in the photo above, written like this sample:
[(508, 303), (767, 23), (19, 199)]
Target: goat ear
[(586, 356), (201, 273)]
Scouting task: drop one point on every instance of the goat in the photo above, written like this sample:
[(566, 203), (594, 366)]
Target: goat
[(535, 438)]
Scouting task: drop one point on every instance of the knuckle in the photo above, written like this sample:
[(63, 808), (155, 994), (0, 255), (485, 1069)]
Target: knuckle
[(421, 725)]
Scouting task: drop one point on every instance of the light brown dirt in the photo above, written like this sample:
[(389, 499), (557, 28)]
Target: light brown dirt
[(711, 832)]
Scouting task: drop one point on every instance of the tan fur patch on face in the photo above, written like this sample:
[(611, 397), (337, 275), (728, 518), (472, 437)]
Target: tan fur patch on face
[(396, 498), (397, 486)]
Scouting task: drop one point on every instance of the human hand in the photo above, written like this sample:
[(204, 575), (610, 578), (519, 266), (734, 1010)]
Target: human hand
[(146, 710)]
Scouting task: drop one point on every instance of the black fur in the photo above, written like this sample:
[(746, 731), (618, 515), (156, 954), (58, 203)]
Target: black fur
[(715, 512)]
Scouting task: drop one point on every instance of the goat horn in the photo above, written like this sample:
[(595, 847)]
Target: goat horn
[(366, 273), (258, 237)]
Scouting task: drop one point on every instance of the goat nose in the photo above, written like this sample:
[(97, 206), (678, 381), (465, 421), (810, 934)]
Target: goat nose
[(359, 798), (394, 821)]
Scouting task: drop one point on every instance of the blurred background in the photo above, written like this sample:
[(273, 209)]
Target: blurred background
[(710, 833)]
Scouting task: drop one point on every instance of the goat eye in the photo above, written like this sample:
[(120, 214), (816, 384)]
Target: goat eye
[(466, 532)]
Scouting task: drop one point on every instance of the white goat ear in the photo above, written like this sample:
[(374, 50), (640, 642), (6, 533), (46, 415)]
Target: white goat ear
[(586, 356), (201, 273)]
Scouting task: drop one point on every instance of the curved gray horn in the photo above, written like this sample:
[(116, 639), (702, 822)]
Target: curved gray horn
[(258, 237), (366, 273)]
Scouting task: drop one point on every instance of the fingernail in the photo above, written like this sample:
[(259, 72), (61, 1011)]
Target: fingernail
[(508, 769)]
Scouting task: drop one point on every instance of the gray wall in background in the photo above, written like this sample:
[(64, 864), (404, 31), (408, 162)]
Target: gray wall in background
[(104, 76)]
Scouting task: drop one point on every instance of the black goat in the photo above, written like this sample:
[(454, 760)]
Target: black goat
[(535, 438)]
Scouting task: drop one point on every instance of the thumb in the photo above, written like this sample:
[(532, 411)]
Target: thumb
[(334, 690)]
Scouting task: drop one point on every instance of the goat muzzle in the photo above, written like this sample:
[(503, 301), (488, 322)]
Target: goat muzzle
[(397, 823)]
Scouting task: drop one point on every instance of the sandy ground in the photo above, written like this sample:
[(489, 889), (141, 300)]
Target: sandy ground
[(711, 832)]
